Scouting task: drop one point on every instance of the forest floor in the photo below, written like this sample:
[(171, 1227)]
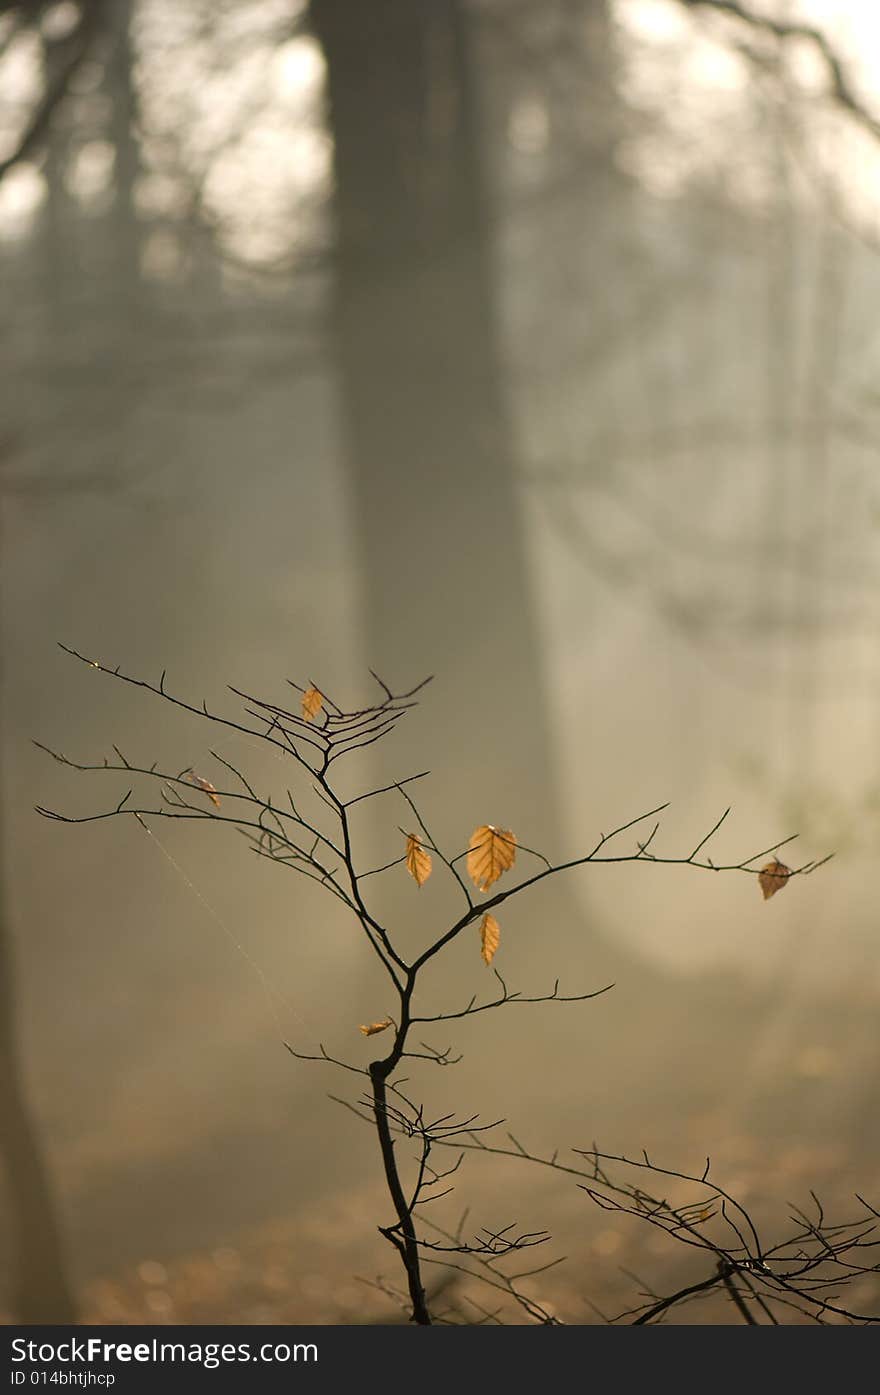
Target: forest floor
[(328, 1265)]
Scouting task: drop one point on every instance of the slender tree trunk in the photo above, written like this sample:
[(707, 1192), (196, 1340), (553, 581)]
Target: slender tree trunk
[(41, 1293), (445, 577)]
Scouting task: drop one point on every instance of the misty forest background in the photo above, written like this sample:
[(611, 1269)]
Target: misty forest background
[(533, 346)]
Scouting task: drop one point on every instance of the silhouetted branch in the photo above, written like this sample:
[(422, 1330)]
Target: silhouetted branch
[(804, 1270), (313, 741), (841, 88)]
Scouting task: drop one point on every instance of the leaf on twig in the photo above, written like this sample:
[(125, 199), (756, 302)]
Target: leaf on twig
[(375, 1027), (312, 702), (418, 860), (205, 785), (490, 937), (491, 851), (773, 877)]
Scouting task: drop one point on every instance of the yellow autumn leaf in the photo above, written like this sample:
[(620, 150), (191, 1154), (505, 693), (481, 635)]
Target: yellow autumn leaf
[(205, 785), (490, 937), (491, 851), (773, 878), (375, 1027), (418, 859), (312, 702)]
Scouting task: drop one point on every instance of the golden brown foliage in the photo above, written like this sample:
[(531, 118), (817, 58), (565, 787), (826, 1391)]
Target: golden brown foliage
[(418, 859), (205, 785), (491, 851), (490, 937), (312, 702), (374, 1027), (773, 878)]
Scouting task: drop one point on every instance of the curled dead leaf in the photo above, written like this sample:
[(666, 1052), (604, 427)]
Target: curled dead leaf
[(418, 859), (205, 785), (491, 851), (374, 1027), (773, 877), (490, 937), (312, 702)]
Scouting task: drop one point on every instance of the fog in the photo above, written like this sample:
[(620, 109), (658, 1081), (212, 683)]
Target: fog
[(531, 347)]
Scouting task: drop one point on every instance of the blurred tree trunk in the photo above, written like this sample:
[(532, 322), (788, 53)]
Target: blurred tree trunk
[(446, 584), (40, 1291)]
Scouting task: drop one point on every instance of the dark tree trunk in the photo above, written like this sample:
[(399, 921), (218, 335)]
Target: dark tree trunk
[(40, 1291), (432, 462)]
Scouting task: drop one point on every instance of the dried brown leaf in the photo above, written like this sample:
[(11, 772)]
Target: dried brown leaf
[(418, 859), (490, 937), (375, 1027), (491, 851), (773, 878), (205, 785), (312, 702)]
